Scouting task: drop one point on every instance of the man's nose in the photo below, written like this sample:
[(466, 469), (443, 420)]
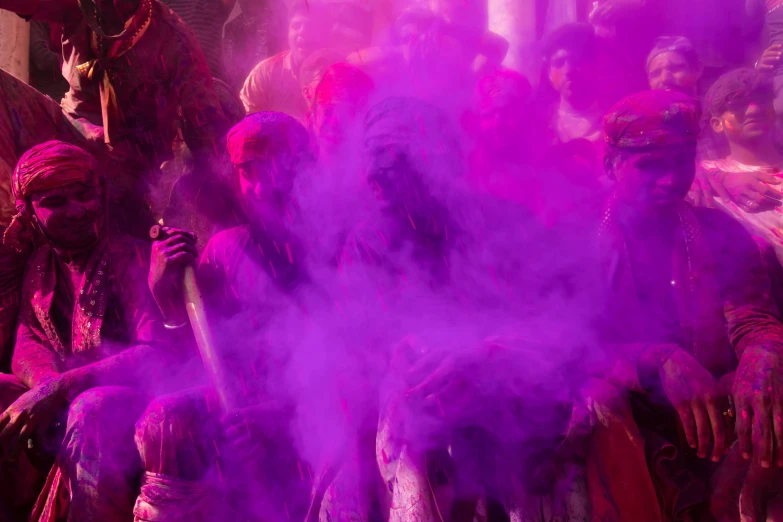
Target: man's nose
[(77, 211), (753, 108)]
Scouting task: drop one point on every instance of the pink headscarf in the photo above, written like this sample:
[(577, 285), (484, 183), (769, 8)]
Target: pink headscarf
[(50, 165)]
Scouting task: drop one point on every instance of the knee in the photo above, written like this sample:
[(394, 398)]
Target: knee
[(105, 408), (174, 429), (162, 418)]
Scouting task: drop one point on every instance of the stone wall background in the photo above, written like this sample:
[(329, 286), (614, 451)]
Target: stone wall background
[(14, 45)]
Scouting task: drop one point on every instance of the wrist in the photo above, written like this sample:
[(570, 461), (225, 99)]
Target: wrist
[(172, 310), (718, 175)]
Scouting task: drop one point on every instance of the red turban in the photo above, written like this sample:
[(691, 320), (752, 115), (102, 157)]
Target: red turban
[(46, 166), (343, 84), (653, 119), (266, 134)]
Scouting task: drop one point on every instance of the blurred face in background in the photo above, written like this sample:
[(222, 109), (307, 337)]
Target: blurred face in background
[(303, 35), (573, 76), (410, 36), (747, 120), (502, 126), (396, 182), (672, 71), (333, 123)]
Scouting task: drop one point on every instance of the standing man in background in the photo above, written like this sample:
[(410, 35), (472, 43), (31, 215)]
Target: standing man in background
[(206, 18), (273, 85)]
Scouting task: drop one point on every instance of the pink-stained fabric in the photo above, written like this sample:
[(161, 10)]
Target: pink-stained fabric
[(90, 306), (92, 476), (767, 224), (112, 303), (165, 498)]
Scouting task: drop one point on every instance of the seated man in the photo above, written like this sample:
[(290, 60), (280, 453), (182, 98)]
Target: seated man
[(740, 106), (87, 352), (687, 311), (249, 274), (425, 253)]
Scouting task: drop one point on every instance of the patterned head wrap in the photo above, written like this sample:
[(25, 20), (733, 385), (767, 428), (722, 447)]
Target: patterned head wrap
[(653, 119), (667, 44), (265, 134), (418, 128), (47, 166)]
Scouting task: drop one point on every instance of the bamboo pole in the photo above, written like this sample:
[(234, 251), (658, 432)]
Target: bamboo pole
[(216, 368)]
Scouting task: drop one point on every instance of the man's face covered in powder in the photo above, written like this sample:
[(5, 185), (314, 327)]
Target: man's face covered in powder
[(72, 217), (654, 178), (395, 179), (333, 123), (747, 119), (672, 71), (572, 74), (266, 185)]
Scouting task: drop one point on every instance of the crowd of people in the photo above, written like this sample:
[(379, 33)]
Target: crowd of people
[(375, 277)]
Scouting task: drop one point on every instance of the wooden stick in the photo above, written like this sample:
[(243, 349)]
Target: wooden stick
[(216, 368)]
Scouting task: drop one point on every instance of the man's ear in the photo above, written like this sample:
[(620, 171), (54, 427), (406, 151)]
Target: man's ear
[(717, 124)]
